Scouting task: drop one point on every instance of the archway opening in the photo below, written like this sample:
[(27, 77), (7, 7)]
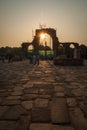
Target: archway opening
[(61, 50), (72, 46), (46, 45), (46, 40), (30, 48), (71, 50)]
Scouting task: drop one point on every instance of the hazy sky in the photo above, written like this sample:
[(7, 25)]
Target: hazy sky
[(19, 17)]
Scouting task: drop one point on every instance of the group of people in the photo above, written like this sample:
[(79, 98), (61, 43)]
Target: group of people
[(34, 59), (2, 58)]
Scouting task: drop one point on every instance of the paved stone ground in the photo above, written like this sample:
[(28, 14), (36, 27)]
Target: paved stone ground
[(44, 97)]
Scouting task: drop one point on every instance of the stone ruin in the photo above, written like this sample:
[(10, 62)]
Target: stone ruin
[(63, 57)]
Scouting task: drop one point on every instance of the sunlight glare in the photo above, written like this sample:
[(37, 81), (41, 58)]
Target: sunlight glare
[(42, 36)]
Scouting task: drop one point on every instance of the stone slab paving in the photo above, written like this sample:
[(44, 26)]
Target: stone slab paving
[(77, 119), (44, 97), (41, 115), (59, 111)]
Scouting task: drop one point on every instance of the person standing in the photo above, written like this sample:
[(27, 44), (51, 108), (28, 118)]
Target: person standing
[(37, 59), (34, 59)]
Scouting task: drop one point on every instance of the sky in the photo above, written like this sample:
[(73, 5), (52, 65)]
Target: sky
[(20, 18)]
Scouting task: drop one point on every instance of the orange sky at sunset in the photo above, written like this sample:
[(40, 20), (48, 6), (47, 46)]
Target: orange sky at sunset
[(19, 17)]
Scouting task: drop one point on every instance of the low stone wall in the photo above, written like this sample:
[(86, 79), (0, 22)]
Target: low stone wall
[(69, 62)]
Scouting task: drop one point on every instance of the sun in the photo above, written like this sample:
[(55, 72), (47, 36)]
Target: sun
[(42, 35)]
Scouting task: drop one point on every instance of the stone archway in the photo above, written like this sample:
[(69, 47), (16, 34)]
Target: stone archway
[(52, 33), (35, 42), (67, 45), (55, 43)]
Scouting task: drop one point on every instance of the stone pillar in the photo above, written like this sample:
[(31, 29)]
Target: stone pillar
[(76, 53)]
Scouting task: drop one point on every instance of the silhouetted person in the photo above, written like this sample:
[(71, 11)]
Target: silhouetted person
[(9, 58), (31, 59), (34, 59), (37, 59), (3, 59)]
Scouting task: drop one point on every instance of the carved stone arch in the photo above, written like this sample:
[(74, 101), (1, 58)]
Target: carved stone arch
[(29, 47), (76, 45), (61, 45), (72, 53), (61, 49), (49, 31), (36, 39)]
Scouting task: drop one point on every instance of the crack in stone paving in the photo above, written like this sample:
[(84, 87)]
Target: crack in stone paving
[(44, 97)]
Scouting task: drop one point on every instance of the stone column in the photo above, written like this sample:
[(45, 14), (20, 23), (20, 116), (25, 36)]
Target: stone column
[(76, 53)]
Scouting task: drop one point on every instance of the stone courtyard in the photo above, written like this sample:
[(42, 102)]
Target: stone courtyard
[(44, 97)]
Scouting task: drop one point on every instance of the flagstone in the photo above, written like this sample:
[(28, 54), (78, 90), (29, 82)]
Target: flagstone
[(7, 125), (28, 97), (41, 115), (72, 102), (77, 118), (10, 102), (14, 112), (59, 111), (40, 126), (27, 104), (31, 90), (41, 102)]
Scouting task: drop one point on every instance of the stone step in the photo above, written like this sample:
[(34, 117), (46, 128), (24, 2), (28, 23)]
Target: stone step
[(40, 126), (59, 111), (48, 126), (61, 127)]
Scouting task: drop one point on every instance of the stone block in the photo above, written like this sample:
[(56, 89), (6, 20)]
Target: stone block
[(41, 102), (27, 105), (32, 90), (14, 112), (41, 115), (7, 125), (29, 97), (78, 120), (61, 127), (40, 126), (59, 111)]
